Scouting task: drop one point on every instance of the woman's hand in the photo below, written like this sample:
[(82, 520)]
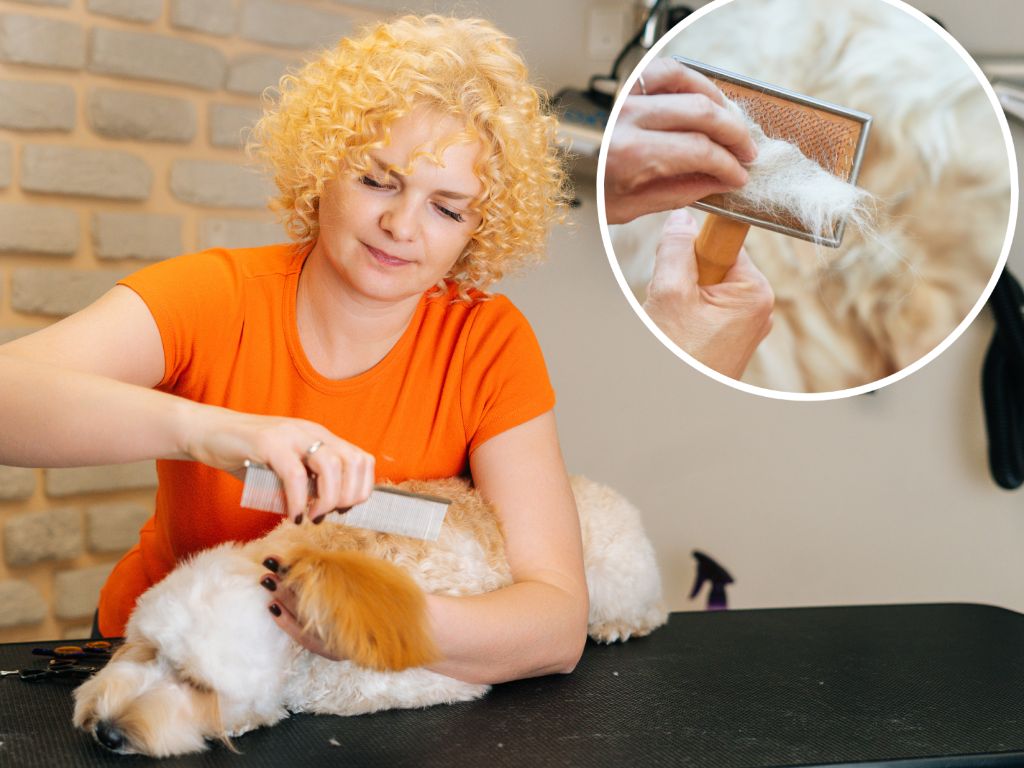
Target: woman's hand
[(719, 325), (293, 448), (283, 609), (673, 145)]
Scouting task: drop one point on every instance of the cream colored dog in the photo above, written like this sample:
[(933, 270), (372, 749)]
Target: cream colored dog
[(204, 660), (936, 161)]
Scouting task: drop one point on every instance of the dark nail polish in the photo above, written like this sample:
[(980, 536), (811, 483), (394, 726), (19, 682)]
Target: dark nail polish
[(271, 565), (318, 520), (275, 609), (268, 583), (298, 520)]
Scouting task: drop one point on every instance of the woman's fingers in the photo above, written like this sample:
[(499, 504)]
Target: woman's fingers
[(669, 76), (659, 156), (345, 477), (326, 464), (696, 113), (294, 477), (283, 609)]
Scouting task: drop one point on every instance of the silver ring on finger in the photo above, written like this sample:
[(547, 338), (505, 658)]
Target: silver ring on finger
[(643, 86), (314, 447)]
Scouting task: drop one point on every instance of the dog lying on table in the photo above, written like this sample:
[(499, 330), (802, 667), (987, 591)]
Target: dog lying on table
[(203, 659)]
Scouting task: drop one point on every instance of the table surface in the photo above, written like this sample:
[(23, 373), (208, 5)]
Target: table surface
[(913, 685)]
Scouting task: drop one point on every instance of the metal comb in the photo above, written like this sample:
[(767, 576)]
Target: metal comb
[(389, 509)]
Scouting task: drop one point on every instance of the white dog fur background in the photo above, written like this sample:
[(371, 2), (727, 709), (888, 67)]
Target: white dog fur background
[(204, 660), (936, 161)]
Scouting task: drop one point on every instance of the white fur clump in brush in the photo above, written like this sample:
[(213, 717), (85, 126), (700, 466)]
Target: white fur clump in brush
[(784, 182)]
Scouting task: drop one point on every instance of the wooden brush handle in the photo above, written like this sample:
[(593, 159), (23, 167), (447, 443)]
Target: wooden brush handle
[(717, 247)]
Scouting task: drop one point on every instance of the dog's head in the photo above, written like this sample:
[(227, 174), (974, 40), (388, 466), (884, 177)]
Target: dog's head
[(202, 660)]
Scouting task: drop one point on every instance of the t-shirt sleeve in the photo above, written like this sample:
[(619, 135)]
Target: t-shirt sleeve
[(193, 299), (504, 381)]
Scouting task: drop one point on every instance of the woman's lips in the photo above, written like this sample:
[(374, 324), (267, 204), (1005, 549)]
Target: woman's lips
[(386, 258)]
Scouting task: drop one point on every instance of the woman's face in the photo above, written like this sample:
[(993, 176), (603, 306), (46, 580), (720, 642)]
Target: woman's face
[(390, 236)]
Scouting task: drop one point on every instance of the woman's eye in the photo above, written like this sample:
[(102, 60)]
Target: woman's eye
[(374, 183), (454, 215)]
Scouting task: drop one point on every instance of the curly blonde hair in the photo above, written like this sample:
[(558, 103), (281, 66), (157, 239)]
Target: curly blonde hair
[(338, 107)]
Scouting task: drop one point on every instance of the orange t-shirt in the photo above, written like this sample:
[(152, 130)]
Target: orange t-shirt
[(460, 374)]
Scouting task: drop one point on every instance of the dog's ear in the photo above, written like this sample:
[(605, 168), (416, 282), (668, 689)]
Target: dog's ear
[(363, 608), (140, 651)]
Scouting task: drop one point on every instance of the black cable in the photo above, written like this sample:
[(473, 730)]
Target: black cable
[(606, 99), (1002, 384)]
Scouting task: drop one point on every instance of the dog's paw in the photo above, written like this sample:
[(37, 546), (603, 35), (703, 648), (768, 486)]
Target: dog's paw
[(618, 630), (362, 608)]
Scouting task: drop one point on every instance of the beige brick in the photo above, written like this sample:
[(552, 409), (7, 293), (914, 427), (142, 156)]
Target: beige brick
[(115, 527), (252, 73), (222, 185), (156, 57), (16, 483), (214, 17), (53, 534), (291, 25), (106, 173), (41, 42), (5, 164), (129, 10), (77, 592), (150, 236), (239, 233), (114, 477), (230, 124), (60, 292), (44, 229), (28, 106), (20, 603), (141, 116)]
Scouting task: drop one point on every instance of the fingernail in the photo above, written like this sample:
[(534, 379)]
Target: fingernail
[(269, 583), (318, 520), (298, 520), (271, 564), (275, 609)]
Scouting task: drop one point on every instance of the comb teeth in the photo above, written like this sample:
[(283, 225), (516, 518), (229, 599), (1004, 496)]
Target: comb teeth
[(262, 489), (389, 510)]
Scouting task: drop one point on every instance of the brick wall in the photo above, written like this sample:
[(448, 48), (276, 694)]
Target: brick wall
[(121, 126)]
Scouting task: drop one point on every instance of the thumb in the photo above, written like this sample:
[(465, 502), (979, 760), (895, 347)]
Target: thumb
[(674, 261)]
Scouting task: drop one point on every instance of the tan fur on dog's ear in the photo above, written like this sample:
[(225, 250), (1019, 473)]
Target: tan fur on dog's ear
[(138, 651), (363, 608)]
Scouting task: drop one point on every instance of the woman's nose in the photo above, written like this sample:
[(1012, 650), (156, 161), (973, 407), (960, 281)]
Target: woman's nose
[(399, 219)]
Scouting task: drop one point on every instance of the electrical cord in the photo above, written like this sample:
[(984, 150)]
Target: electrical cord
[(1002, 384), (604, 98)]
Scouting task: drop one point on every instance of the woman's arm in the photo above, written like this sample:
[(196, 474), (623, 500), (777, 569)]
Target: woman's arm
[(538, 625), (79, 393)]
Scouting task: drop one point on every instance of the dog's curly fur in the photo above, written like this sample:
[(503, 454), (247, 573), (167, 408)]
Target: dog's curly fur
[(936, 161), (203, 660)]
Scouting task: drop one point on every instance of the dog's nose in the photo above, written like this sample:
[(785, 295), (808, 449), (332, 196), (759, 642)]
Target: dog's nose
[(108, 735)]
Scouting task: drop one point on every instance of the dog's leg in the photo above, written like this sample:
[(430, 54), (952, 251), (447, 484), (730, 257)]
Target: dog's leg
[(622, 574), (362, 608)]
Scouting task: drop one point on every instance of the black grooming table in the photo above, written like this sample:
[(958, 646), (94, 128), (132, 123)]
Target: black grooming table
[(913, 685)]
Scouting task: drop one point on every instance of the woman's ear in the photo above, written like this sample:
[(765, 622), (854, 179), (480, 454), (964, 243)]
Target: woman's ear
[(364, 609)]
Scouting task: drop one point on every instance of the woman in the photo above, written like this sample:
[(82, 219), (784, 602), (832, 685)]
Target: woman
[(415, 167)]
